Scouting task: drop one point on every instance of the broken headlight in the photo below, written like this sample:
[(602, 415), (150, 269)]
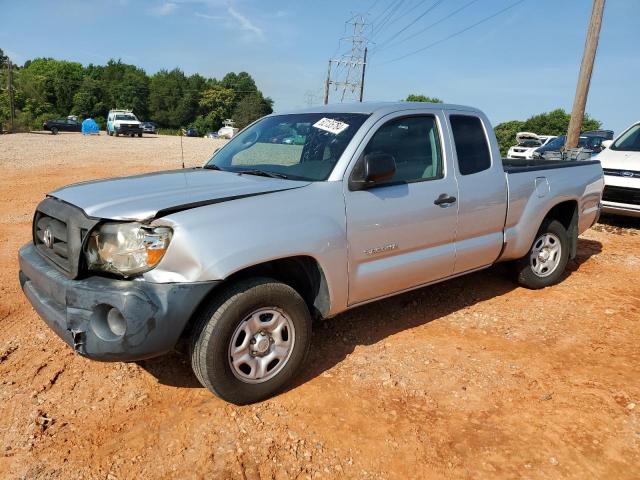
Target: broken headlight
[(126, 248)]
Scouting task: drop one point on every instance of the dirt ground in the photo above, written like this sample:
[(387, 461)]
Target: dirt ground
[(472, 378)]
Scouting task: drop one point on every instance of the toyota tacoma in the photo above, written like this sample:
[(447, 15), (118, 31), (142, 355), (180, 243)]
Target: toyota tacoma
[(238, 256)]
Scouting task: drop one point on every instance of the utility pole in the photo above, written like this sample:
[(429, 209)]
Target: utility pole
[(12, 103), (354, 62), (584, 79), (364, 66)]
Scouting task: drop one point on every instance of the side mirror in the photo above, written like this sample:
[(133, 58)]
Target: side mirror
[(607, 144), (376, 167)]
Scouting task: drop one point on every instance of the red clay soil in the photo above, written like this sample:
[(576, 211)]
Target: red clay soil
[(471, 378)]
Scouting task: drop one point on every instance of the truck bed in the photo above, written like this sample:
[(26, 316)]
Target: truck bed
[(517, 165)]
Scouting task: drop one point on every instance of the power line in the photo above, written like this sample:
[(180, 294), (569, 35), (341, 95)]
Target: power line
[(419, 32), (381, 14), (419, 4), (459, 32), (377, 29), (373, 5), (413, 22)]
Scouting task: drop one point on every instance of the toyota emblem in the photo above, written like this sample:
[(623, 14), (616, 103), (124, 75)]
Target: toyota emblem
[(627, 174), (47, 237)]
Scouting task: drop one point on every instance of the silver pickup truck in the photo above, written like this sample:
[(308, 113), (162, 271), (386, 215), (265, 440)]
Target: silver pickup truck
[(302, 215)]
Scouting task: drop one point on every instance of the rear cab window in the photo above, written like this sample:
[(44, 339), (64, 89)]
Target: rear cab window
[(470, 140)]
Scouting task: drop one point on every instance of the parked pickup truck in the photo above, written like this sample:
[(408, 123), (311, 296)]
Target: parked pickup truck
[(239, 255)]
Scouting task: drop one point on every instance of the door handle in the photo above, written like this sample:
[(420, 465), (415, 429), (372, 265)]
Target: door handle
[(444, 200)]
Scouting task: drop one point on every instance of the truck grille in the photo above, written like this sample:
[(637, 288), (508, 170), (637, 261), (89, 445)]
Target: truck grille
[(59, 231), (51, 239), (621, 195), (621, 173)]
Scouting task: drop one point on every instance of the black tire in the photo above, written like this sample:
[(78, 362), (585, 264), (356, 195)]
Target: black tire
[(216, 323), (115, 132), (526, 275), (54, 130), (140, 135)]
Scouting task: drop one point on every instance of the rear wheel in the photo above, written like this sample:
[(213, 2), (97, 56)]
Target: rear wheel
[(251, 340), (547, 257), (140, 135), (54, 130)]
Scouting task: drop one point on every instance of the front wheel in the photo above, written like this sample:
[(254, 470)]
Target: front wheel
[(54, 130), (547, 257), (251, 340)]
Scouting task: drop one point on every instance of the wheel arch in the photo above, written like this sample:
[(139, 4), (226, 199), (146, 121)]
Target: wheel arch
[(566, 213), (303, 273), (520, 236)]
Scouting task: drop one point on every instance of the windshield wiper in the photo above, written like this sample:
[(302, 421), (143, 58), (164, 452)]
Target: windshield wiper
[(212, 167), (262, 173)]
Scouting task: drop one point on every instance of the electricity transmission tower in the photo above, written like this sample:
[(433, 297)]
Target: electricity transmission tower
[(346, 73)]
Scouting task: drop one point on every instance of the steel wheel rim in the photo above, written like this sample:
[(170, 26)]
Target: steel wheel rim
[(545, 255), (261, 345)]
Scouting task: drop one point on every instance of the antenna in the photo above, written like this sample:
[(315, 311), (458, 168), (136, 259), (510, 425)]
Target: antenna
[(181, 148)]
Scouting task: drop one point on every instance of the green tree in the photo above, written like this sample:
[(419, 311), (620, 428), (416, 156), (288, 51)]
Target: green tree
[(123, 86), (3, 59), (555, 122), (215, 105), (506, 134), (168, 104), (45, 88), (50, 85), (88, 99), (241, 83), (250, 108), (412, 97)]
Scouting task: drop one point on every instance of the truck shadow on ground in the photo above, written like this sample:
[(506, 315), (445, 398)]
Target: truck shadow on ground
[(619, 224), (333, 340)]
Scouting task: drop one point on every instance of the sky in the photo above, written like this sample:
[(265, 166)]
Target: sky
[(521, 62)]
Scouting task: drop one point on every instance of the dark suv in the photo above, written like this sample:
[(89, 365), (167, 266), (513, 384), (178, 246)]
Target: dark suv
[(62, 125)]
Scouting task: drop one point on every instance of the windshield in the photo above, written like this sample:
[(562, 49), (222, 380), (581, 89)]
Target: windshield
[(304, 146), (126, 116), (629, 141), (555, 144)]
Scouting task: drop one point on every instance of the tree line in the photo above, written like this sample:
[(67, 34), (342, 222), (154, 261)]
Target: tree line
[(46, 88), (555, 122)]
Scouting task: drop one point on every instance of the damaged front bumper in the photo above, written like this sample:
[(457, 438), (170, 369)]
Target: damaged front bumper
[(109, 319)]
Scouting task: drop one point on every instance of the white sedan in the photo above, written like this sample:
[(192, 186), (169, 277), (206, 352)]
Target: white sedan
[(527, 144)]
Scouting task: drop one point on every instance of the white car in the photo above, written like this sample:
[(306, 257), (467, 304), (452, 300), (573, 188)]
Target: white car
[(621, 165), (527, 144)]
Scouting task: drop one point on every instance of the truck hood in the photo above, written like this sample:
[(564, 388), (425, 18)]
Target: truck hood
[(619, 159), (143, 197), (520, 136)]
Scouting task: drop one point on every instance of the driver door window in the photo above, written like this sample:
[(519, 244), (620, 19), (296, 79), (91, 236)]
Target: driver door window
[(414, 143)]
